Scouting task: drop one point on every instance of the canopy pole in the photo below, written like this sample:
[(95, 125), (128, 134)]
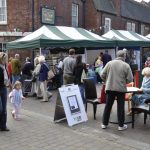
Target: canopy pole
[(40, 51), (116, 49)]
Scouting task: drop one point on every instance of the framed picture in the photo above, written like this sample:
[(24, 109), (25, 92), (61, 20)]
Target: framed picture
[(73, 104), (47, 16)]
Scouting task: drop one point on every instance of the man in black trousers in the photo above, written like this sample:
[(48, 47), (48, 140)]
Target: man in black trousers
[(117, 73)]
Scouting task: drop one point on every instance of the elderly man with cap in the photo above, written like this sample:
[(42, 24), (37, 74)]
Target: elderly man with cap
[(117, 73)]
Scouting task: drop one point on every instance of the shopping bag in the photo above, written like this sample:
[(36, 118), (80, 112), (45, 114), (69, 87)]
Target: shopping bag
[(83, 75), (50, 74), (102, 98)]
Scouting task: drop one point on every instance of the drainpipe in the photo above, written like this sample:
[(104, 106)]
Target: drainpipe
[(33, 28), (83, 13), (33, 15)]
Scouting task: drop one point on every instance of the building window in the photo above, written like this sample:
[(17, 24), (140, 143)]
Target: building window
[(107, 24), (142, 29), (3, 12), (75, 12), (130, 26)]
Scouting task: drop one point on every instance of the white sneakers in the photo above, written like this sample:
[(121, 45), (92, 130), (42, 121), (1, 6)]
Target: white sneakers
[(119, 128), (103, 126), (123, 128)]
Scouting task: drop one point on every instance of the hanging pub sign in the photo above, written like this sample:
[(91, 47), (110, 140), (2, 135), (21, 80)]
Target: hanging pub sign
[(47, 16)]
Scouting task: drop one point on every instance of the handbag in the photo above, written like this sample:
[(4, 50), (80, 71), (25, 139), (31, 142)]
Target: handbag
[(83, 75), (50, 74), (34, 78)]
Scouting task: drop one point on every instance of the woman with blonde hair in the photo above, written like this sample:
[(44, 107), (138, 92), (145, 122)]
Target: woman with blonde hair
[(139, 99), (16, 97), (4, 82), (43, 77)]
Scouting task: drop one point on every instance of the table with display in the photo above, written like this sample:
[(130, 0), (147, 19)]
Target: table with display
[(128, 119)]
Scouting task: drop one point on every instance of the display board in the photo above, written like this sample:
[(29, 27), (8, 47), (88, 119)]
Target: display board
[(69, 104)]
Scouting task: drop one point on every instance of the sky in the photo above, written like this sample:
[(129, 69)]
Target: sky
[(143, 0)]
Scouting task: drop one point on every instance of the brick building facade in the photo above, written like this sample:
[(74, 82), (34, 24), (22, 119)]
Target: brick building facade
[(123, 15)]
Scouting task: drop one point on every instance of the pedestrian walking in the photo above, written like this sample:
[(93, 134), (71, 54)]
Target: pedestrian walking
[(4, 82), (68, 67), (117, 73), (36, 83), (43, 78), (16, 97)]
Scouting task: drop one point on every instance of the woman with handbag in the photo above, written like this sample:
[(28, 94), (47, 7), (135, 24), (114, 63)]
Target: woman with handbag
[(4, 82), (80, 71)]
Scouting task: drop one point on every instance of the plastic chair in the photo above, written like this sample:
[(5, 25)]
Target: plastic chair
[(91, 94), (128, 96), (141, 109)]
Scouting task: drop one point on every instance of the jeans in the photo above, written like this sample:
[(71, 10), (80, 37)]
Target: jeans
[(15, 78), (110, 97), (3, 115)]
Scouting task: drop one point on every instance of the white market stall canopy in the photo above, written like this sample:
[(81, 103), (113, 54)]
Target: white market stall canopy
[(60, 36), (127, 38), (148, 36)]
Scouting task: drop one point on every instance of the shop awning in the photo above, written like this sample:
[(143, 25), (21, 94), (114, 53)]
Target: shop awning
[(148, 36), (60, 36), (127, 38)]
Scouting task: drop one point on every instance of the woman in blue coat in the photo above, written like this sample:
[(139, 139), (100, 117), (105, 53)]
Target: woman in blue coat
[(139, 99)]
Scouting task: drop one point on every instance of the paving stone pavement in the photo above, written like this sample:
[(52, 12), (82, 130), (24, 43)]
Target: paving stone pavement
[(37, 131)]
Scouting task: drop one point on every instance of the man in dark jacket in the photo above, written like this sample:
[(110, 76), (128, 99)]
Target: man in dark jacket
[(106, 58), (27, 69)]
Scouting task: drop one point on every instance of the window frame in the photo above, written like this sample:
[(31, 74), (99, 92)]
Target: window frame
[(107, 26), (130, 26), (75, 22), (3, 22)]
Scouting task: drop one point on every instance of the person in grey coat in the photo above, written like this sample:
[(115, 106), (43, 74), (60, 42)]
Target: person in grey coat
[(117, 73)]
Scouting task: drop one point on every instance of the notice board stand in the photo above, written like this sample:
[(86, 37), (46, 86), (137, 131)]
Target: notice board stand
[(69, 105)]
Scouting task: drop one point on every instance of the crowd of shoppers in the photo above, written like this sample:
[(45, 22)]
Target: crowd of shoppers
[(70, 70)]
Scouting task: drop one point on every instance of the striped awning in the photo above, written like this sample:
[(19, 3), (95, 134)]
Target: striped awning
[(148, 36), (127, 38), (57, 36)]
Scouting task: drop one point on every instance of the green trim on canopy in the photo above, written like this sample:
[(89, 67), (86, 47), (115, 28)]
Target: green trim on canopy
[(58, 36), (127, 38)]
